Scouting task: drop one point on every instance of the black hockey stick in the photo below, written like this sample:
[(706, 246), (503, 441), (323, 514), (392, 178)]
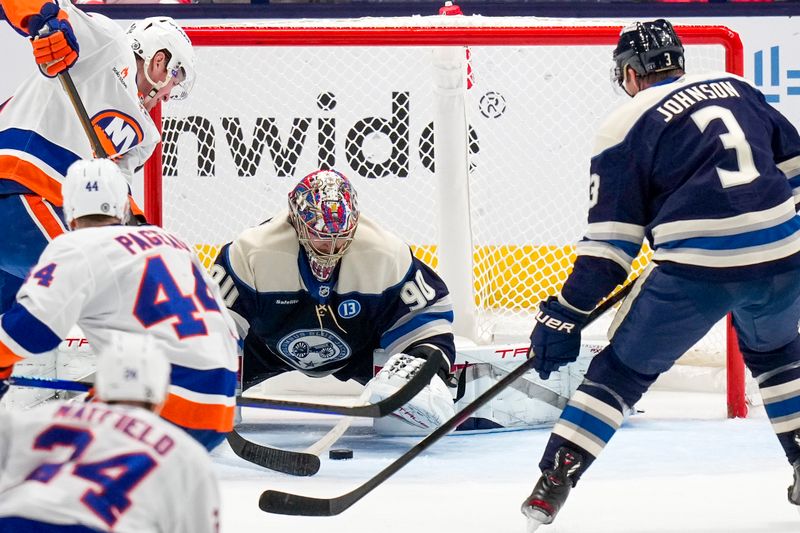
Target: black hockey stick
[(277, 502), (370, 410), (286, 461)]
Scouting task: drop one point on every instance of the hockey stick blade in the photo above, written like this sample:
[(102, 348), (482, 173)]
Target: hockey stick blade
[(278, 502), (286, 461), (371, 410)]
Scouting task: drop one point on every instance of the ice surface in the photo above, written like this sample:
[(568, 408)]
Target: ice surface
[(678, 467)]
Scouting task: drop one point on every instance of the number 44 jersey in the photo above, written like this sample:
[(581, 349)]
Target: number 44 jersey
[(100, 467), (135, 279)]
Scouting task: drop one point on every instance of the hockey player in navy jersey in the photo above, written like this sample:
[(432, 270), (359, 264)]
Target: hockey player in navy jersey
[(707, 171), (320, 287)]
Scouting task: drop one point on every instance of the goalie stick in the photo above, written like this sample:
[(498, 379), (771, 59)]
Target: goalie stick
[(278, 502), (371, 410)]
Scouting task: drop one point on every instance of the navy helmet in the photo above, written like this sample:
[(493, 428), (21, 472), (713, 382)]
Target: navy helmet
[(647, 47)]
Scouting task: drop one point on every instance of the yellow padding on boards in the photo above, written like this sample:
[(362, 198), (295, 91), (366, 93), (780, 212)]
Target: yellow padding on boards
[(505, 276)]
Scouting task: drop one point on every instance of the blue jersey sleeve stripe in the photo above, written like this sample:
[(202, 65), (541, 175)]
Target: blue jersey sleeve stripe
[(207, 437), (28, 331), (30, 142), (417, 322), (742, 240), (630, 249), (211, 381)]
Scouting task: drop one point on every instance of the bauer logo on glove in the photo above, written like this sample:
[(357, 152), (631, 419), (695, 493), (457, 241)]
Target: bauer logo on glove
[(556, 338)]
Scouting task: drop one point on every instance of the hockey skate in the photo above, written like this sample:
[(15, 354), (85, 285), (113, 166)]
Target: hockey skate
[(551, 490), (794, 489)]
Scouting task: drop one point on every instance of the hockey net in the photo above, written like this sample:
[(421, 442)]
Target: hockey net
[(494, 201)]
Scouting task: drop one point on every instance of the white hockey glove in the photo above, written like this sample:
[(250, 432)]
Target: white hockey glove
[(425, 412)]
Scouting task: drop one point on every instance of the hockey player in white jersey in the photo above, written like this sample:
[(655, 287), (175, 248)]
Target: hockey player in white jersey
[(107, 465), (105, 276), (320, 287), (119, 75)]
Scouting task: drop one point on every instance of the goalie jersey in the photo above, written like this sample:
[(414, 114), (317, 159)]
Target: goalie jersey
[(40, 134), (136, 279), (379, 297), (105, 468), (722, 210)]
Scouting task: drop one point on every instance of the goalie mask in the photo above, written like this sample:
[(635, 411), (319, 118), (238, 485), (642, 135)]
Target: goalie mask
[(324, 213), (95, 187), (154, 34), (647, 47)]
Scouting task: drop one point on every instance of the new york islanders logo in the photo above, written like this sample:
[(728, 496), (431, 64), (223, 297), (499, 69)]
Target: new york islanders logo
[(117, 131)]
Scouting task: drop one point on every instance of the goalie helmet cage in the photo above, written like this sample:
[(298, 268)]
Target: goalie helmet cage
[(469, 139)]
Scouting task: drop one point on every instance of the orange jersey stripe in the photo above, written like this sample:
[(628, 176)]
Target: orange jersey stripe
[(32, 177), (7, 357), (194, 415), (45, 217), (18, 11), (135, 209)]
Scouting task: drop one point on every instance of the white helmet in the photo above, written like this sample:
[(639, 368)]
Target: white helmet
[(95, 187), (132, 369), (154, 34)]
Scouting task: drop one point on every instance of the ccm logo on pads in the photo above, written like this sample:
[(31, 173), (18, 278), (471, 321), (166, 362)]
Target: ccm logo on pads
[(554, 323)]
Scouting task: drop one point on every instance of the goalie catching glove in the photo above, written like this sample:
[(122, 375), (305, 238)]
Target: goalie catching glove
[(55, 47), (556, 337), (425, 412)]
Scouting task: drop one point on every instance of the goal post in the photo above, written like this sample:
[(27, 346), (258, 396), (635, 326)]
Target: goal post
[(470, 137)]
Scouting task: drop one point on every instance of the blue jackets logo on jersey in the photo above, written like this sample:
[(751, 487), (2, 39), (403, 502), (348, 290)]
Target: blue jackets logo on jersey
[(120, 130), (349, 309), (311, 348)]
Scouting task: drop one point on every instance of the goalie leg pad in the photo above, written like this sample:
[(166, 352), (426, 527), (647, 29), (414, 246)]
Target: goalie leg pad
[(424, 413)]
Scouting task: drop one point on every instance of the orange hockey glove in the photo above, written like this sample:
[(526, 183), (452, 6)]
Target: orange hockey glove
[(55, 47)]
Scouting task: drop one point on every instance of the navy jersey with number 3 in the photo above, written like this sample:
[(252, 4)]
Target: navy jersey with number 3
[(704, 169)]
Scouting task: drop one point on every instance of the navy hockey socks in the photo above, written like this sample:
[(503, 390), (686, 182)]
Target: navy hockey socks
[(778, 376), (596, 410)]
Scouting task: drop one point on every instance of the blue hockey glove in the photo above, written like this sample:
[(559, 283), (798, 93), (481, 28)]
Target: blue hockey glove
[(556, 337), (5, 373), (55, 47)]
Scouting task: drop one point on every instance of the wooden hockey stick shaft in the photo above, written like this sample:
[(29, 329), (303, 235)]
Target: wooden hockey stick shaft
[(278, 502), (75, 98)]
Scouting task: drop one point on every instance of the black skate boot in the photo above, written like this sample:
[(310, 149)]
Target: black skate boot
[(794, 489), (552, 489)]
